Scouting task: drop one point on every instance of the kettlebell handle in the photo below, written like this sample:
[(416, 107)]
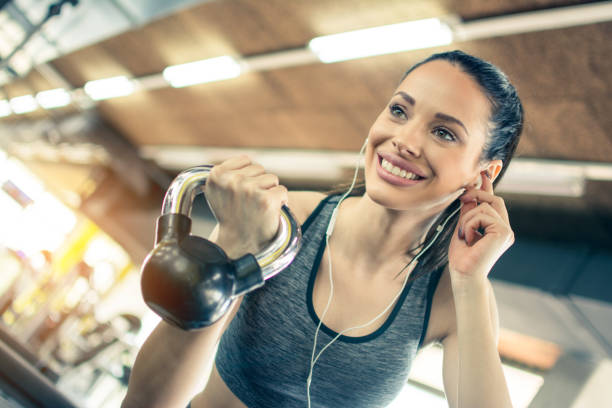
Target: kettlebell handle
[(190, 281), (272, 259)]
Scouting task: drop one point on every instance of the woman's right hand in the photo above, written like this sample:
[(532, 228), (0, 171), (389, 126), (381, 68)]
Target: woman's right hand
[(246, 202)]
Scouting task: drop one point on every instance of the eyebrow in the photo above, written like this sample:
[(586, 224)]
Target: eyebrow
[(439, 115), (406, 97), (449, 118)]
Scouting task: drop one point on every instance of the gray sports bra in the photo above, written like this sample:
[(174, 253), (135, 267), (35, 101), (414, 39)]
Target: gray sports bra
[(264, 355)]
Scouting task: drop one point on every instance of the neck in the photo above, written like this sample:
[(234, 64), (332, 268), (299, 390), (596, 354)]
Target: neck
[(370, 235)]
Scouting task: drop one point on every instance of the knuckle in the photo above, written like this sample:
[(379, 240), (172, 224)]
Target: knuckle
[(243, 157), (235, 181)]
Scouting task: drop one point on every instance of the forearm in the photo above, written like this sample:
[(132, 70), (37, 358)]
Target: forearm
[(481, 381), (170, 365)]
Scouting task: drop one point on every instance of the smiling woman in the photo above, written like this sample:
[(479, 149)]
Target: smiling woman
[(412, 249)]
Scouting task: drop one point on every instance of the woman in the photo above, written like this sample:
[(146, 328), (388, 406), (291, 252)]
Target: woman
[(445, 138)]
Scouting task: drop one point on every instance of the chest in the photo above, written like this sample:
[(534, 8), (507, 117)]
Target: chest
[(363, 301), (363, 305)]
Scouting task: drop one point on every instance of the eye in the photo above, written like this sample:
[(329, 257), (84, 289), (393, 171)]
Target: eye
[(444, 134), (397, 111)]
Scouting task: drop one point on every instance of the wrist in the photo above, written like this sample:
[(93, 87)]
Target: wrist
[(234, 246), (468, 285)]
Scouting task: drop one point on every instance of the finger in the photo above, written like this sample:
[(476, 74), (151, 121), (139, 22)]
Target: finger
[(470, 229), (484, 208), (482, 221), (234, 163), (251, 170), (279, 194), (266, 181), (496, 202), (487, 184)]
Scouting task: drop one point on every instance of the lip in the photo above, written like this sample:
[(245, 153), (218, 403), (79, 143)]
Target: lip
[(401, 163), (392, 178)]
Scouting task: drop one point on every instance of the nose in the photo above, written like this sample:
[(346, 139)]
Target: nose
[(408, 146), (409, 137)]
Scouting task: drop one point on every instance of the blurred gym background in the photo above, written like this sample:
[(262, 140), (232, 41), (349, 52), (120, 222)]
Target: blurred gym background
[(98, 112)]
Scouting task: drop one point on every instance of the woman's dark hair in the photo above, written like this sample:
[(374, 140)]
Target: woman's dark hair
[(505, 127)]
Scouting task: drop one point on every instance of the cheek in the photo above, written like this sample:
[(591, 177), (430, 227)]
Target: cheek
[(380, 128), (450, 167)]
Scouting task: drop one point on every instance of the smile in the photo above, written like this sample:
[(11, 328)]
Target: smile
[(398, 172), (395, 175)]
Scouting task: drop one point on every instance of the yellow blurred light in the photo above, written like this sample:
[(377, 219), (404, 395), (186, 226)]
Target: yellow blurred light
[(71, 253), (9, 318), (103, 249)]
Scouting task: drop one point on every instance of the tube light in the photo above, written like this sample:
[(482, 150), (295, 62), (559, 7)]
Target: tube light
[(109, 88), (387, 39), (209, 70), (23, 104), (5, 108), (54, 98)]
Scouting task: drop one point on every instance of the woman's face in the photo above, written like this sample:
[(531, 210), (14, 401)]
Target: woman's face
[(434, 126)]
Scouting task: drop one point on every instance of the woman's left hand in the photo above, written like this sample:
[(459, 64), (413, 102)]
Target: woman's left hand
[(471, 254)]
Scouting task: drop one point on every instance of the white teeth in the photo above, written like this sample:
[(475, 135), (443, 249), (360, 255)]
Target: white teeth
[(397, 171)]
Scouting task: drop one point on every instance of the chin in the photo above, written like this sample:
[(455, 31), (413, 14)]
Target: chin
[(387, 199)]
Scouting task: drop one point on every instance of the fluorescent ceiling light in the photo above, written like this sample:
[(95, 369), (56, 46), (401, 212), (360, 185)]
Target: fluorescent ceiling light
[(5, 108), (109, 88), (388, 39), (209, 70), (54, 98), (23, 104)]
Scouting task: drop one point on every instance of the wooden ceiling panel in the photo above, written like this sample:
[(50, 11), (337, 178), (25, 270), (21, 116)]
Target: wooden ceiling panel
[(567, 130), (88, 64), (331, 17), (471, 9), (252, 26), (556, 63), (183, 38)]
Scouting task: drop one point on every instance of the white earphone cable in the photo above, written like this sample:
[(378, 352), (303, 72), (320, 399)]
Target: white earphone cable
[(313, 358)]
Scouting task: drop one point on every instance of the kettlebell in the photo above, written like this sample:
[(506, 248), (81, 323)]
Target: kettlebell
[(189, 281)]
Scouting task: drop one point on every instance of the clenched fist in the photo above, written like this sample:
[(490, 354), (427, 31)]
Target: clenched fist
[(246, 202)]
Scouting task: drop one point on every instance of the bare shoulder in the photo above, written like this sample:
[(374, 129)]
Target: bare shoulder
[(302, 203)]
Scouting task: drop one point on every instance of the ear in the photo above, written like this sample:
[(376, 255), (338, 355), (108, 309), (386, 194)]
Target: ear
[(494, 168)]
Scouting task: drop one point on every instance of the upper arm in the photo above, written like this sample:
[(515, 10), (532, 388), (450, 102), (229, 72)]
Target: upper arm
[(450, 365)]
